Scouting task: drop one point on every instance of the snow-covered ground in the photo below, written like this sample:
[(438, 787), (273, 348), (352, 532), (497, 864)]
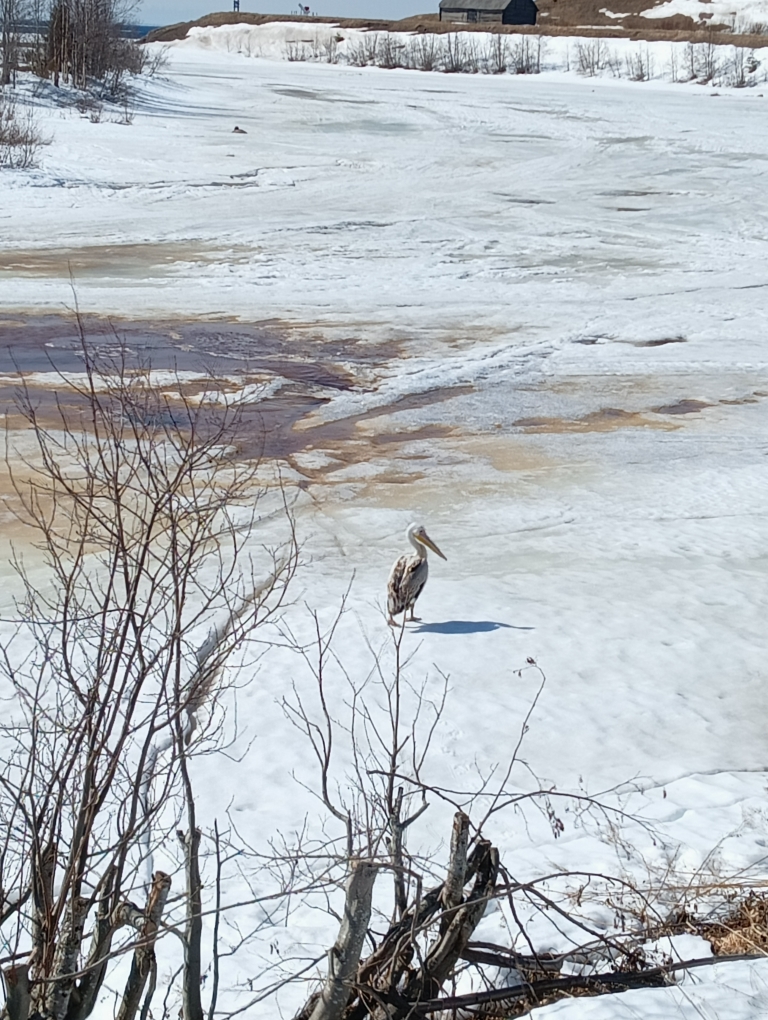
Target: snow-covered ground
[(568, 278)]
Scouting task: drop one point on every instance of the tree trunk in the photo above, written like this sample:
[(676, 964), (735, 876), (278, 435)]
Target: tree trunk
[(18, 999), (453, 890), (57, 993), (344, 958), (447, 948), (191, 1005), (144, 954)]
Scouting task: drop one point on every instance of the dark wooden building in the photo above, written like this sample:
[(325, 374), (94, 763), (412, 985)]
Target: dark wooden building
[(491, 12)]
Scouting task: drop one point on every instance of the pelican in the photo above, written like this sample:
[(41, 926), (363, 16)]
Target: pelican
[(409, 574)]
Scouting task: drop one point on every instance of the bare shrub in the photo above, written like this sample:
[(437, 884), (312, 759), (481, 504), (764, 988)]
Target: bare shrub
[(390, 52), (702, 62), (357, 55), (20, 137), (591, 57), (365, 51), (423, 52), (497, 54), (673, 69), (154, 61), (526, 55), (640, 65), (709, 62), (472, 60), (115, 672), (127, 114), (690, 62), (613, 63), (740, 69), (330, 48), (296, 52), (89, 106), (455, 56)]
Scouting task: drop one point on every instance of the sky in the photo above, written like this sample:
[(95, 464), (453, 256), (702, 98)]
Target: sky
[(168, 12)]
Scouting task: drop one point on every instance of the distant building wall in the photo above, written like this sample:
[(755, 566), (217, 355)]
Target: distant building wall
[(517, 12), (520, 12)]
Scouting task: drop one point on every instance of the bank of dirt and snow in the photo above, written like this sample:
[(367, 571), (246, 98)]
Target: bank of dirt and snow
[(577, 268), (739, 63)]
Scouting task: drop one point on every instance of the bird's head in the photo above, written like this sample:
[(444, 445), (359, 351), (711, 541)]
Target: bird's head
[(418, 533)]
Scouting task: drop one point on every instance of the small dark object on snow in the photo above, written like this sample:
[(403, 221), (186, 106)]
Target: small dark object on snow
[(239, 131)]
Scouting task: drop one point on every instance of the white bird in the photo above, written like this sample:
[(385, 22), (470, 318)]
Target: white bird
[(409, 574)]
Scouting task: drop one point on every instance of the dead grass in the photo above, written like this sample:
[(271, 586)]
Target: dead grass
[(743, 930)]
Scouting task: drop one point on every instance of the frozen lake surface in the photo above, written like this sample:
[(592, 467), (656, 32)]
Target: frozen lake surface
[(546, 298)]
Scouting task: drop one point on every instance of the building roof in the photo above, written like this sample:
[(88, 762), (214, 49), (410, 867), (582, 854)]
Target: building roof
[(474, 5)]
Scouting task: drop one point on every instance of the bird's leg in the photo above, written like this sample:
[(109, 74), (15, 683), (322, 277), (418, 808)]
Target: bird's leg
[(413, 618)]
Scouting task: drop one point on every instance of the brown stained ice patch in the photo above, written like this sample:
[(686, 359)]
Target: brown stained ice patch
[(280, 377), (506, 454), (328, 453), (408, 402), (139, 259), (423, 434), (663, 342), (687, 406), (607, 419)]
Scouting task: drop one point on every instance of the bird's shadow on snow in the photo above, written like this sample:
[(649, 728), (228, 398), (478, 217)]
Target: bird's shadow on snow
[(465, 627)]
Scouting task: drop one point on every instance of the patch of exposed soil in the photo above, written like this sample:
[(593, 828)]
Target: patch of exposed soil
[(117, 260), (682, 407), (607, 419)]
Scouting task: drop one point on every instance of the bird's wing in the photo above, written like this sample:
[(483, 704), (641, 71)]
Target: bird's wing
[(408, 577)]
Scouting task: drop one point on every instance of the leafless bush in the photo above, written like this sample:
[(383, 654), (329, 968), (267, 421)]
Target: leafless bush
[(673, 67), (364, 51), (702, 62), (640, 65), (455, 56), (613, 63), (126, 115), (472, 61), (90, 106), (330, 47), (155, 60), (296, 52), (20, 136), (526, 55), (497, 54), (690, 62), (115, 672), (423, 52), (390, 52), (591, 57), (708, 62), (739, 70)]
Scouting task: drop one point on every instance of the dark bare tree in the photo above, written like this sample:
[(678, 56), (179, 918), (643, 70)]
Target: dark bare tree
[(86, 45), (150, 582)]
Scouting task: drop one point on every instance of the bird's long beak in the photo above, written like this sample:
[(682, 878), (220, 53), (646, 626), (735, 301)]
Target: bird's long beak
[(431, 545)]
